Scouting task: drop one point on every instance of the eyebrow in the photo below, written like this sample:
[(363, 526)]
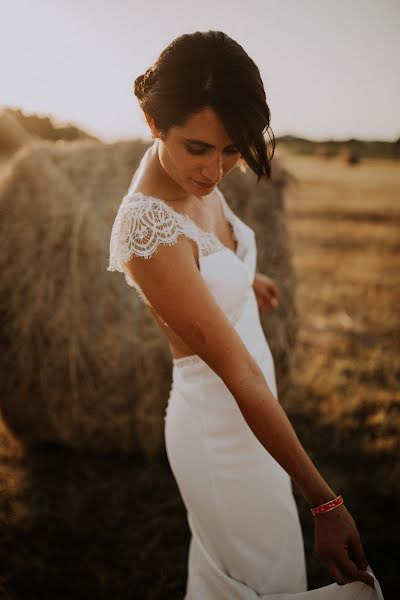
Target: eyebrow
[(204, 144)]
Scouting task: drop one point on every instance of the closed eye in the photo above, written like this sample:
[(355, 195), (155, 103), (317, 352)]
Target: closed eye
[(231, 150)]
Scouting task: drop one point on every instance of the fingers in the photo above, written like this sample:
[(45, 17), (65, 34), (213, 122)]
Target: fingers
[(343, 576), (270, 299), (274, 301), (357, 556), (273, 291), (342, 551), (356, 553), (338, 575), (348, 571), (267, 302), (267, 291)]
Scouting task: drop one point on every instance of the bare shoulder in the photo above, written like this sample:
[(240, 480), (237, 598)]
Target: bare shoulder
[(176, 290)]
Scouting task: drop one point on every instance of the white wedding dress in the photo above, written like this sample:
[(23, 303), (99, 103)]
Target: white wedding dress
[(246, 538)]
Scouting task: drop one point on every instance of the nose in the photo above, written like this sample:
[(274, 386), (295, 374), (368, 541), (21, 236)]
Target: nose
[(213, 171)]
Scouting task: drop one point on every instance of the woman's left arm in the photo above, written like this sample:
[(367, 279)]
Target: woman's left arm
[(266, 291)]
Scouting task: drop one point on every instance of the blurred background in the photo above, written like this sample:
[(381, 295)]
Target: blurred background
[(88, 504)]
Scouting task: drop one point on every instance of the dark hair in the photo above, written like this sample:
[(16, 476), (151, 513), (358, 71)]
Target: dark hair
[(210, 69)]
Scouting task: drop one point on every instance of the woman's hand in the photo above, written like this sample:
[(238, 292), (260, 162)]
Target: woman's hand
[(338, 545), (266, 291)]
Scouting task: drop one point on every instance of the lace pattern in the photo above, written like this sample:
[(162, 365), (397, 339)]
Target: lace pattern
[(144, 223)]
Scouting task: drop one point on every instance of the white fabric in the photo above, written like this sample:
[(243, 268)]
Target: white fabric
[(246, 540)]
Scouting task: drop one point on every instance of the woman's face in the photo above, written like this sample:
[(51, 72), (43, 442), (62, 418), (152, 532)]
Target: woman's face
[(198, 154)]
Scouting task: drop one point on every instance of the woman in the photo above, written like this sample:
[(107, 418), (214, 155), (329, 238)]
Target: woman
[(230, 445)]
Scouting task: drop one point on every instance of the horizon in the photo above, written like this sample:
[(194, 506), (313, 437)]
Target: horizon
[(62, 123)]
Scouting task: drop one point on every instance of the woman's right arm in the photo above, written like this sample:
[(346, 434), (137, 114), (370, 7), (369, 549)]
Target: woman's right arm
[(174, 286)]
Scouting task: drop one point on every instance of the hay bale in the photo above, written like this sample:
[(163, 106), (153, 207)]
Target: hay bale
[(83, 362), (12, 133)]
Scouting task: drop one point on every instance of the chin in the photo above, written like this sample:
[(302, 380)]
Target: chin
[(202, 190)]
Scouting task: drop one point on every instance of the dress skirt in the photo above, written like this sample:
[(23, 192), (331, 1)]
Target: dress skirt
[(246, 537), (246, 533)]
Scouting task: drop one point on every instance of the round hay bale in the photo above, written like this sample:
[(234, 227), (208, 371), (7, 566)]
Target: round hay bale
[(83, 362)]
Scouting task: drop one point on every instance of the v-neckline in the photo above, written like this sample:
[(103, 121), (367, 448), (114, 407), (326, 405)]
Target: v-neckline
[(200, 229)]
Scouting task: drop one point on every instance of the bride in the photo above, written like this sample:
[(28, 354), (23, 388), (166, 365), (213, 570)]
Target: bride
[(232, 450)]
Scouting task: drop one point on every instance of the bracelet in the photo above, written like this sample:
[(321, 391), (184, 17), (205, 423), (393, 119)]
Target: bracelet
[(327, 506)]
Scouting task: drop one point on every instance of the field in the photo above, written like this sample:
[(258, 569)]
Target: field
[(76, 525), (345, 224)]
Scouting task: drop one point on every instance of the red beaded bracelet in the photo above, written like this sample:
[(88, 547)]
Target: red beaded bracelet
[(327, 506)]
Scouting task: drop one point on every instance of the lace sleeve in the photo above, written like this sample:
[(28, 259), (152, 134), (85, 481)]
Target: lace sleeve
[(141, 225)]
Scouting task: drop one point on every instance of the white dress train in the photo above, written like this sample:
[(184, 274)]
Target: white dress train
[(246, 538)]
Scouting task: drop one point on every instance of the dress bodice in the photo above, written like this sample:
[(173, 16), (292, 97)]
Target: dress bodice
[(143, 223)]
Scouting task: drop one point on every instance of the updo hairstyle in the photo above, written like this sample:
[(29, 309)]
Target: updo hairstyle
[(210, 69)]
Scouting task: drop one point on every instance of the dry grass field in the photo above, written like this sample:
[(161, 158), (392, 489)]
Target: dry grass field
[(76, 525), (346, 238), (345, 223)]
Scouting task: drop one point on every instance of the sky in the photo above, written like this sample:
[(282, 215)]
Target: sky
[(330, 69)]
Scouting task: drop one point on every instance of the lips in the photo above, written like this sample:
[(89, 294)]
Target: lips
[(203, 184)]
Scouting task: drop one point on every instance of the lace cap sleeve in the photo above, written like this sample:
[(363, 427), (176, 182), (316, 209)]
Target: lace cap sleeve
[(141, 225)]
